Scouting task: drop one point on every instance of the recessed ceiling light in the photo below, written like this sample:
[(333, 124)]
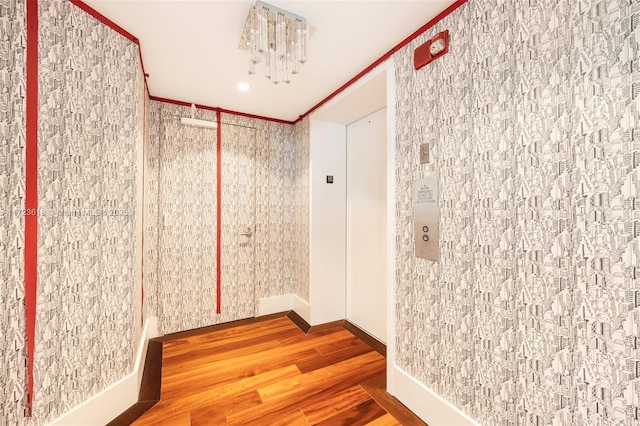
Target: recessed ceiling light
[(243, 87)]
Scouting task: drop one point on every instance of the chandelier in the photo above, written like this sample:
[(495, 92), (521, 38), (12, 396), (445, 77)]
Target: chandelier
[(276, 38)]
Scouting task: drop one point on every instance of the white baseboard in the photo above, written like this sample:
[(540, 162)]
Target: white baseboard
[(302, 308), (149, 331), (272, 305), (286, 302), (100, 409), (426, 404)]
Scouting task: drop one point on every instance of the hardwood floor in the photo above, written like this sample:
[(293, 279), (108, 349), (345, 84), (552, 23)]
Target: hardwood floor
[(271, 373)]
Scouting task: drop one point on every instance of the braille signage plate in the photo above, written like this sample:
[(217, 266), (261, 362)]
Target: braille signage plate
[(426, 218)]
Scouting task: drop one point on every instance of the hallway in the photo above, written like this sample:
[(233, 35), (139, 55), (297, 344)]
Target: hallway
[(270, 372)]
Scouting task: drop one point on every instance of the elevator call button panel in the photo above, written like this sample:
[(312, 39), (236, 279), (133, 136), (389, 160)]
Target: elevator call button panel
[(426, 218)]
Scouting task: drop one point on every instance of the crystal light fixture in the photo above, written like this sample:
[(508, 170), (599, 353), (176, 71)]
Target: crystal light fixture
[(276, 38)]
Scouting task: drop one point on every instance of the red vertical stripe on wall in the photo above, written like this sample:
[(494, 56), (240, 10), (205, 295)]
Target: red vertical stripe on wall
[(219, 213), (31, 193)]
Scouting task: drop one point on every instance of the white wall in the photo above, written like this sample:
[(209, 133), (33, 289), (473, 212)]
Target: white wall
[(381, 78), (327, 222), (111, 402)]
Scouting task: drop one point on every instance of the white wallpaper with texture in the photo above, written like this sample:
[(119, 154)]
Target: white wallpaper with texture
[(151, 208), (180, 273), (12, 175), (258, 191), (301, 209), (90, 131), (274, 200), (532, 314)]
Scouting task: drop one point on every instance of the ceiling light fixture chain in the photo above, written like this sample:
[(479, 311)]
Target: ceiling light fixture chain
[(276, 38)]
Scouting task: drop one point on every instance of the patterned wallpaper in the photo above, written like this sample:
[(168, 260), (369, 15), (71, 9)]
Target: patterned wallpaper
[(257, 176), (301, 210), (273, 168), (153, 129), (243, 265), (12, 141), (532, 314), (89, 136), (180, 273)]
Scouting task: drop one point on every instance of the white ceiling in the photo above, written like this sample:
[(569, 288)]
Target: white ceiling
[(190, 48)]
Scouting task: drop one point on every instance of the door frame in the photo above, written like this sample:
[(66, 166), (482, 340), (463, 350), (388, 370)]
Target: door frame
[(388, 68)]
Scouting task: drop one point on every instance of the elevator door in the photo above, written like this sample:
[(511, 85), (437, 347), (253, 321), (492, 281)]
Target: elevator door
[(366, 224)]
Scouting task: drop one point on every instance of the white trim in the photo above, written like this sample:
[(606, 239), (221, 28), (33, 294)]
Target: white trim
[(285, 302), (302, 308), (427, 404), (387, 66), (100, 409), (275, 304), (149, 332)]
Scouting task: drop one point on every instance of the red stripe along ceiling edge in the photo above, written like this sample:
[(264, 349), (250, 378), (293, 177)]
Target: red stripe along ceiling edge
[(31, 193), (386, 56), (410, 38), (218, 110), (108, 22), (117, 28)]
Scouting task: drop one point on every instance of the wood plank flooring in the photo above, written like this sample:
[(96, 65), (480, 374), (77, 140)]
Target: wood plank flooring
[(271, 373)]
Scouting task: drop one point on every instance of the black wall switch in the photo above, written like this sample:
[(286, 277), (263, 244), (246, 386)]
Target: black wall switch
[(329, 179)]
